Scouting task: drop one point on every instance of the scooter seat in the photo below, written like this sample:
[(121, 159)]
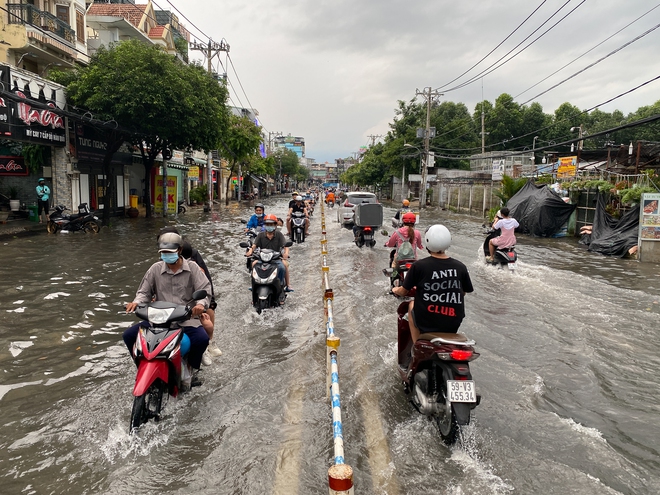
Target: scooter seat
[(447, 338)]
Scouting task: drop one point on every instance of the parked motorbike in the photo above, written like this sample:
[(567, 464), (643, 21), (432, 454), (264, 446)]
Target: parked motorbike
[(298, 220), (436, 375), (182, 206), (159, 355), (364, 236), (502, 256), (267, 290), (83, 220)]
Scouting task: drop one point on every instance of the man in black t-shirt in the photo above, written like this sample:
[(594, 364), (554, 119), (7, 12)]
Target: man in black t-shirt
[(273, 239), (297, 206), (441, 283)]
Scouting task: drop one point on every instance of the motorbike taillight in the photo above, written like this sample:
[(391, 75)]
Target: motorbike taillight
[(461, 354)]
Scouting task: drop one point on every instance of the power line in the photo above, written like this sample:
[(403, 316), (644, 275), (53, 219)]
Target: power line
[(590, 50), (493, 67)]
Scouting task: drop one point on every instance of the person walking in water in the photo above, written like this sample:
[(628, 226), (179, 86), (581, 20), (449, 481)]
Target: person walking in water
[(43, 194)]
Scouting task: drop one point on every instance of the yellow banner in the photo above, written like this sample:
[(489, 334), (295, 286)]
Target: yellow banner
[(171, 194), (567, 166), (193, 173)]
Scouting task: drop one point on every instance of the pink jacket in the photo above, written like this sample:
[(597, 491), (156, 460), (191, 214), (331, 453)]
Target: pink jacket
[(396, 241)]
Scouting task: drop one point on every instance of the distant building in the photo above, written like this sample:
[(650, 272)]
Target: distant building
[(514, 163), (293, 143)]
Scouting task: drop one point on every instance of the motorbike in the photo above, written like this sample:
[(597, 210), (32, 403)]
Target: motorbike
[(267, 290), (182, 206), (436, 377), (159, 355), (59, 221), (398, 276), (251, 234), (364, 236), (331, 204), (298, 220), (502, 256)]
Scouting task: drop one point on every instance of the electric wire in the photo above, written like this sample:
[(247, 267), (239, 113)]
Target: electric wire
[(588, 51), (493, 50), (493, 67)]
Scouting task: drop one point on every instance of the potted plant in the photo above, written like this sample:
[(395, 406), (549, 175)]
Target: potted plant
[(14, 202)]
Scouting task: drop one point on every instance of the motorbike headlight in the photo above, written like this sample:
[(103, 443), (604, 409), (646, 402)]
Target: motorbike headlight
[(266, 257)]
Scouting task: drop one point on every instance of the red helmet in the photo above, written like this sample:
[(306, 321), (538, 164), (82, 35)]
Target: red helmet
[(409, 218), (270, 218)]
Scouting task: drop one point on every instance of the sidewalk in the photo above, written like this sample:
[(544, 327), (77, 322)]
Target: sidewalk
[(20, 227)]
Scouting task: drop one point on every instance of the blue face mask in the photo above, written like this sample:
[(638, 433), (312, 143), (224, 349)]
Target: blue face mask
[(270, 228), (169, 258)]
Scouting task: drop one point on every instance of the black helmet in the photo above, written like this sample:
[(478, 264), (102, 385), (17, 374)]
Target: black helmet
[(260, 205)]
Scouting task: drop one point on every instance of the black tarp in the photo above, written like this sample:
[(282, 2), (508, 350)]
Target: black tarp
[(539, 210), (612, 236)]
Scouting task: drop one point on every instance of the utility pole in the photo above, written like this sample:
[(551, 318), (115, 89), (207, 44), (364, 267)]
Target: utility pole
[(429, 94), (373, 138), (211, 50)]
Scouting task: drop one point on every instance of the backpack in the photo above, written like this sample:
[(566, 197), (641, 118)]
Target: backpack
[(405, 251)]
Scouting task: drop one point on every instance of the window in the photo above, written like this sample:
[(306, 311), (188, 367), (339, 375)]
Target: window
[(62, 13), (80, 26)]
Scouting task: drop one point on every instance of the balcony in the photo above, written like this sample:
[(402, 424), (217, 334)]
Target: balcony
[(28, 14)]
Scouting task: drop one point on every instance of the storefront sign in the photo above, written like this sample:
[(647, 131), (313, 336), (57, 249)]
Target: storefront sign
[(13, 165), (650, 213), (171, 194), (90, 145), (567, 167), (193, 173)]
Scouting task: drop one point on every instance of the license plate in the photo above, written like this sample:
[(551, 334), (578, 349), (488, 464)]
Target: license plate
[(512, 266), (368, 237), (461, 391)]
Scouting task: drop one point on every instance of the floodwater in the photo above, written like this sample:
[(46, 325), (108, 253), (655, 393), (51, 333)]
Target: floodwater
[(567, 373)]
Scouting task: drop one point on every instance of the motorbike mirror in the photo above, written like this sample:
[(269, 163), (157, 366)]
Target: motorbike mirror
[(243, 220), (244, 245), (388, 271), (288, 244), (199, 294), (384, 232)]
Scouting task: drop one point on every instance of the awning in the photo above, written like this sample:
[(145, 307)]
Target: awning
[(176, 165), (256, 179)]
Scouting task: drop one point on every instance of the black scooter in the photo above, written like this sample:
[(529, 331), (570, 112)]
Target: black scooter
[(267, 290), (503, 256), (63, 222), (298, 221), (436, 377)]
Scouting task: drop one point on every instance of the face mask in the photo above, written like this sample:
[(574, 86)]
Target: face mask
[(259, 215), (169, 258), (270, 228)]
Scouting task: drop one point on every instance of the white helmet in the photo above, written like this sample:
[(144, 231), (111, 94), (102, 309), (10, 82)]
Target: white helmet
[(437, 238), (298, 198)]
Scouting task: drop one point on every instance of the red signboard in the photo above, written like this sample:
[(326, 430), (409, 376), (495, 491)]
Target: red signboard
[(13, 165)]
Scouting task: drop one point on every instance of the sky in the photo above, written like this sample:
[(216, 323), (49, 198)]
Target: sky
[(333, 72)]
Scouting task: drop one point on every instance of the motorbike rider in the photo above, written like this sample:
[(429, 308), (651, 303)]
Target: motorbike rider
[(406, 233), (405, 207), (173, 280), (273, 239), (330, 197), (507, 238), (441, 283), (256, 221), (297, 206)]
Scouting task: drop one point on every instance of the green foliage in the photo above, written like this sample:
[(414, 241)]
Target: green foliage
[(509, 188), (491, 214), (13, 192), (36, 156), (633, 195), (545, 179), (199, 194)]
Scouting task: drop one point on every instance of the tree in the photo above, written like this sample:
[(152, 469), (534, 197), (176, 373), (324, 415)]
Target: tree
[(239, 145), (155, 100)]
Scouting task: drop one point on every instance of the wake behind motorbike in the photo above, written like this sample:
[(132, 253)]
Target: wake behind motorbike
[(84, 220), (436, 377), (298, 220), (267, 290), (503, 257), (159, 354)]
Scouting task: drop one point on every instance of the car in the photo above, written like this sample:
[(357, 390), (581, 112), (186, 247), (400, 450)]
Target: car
[(346, 209)]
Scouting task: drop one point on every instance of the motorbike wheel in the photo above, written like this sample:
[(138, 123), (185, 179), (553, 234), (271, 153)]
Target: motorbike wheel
[(51, 227), (298, 237), (147, 405), (91, 226), (182, 209), (261, 305)]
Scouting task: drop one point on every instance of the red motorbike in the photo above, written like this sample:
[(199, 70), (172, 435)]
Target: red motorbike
[(159, 355), (436, 375)]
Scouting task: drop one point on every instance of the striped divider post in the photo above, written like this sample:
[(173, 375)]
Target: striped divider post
[(340, 475)]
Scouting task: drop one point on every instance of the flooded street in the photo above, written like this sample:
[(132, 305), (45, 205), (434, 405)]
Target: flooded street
[(567, 371)]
